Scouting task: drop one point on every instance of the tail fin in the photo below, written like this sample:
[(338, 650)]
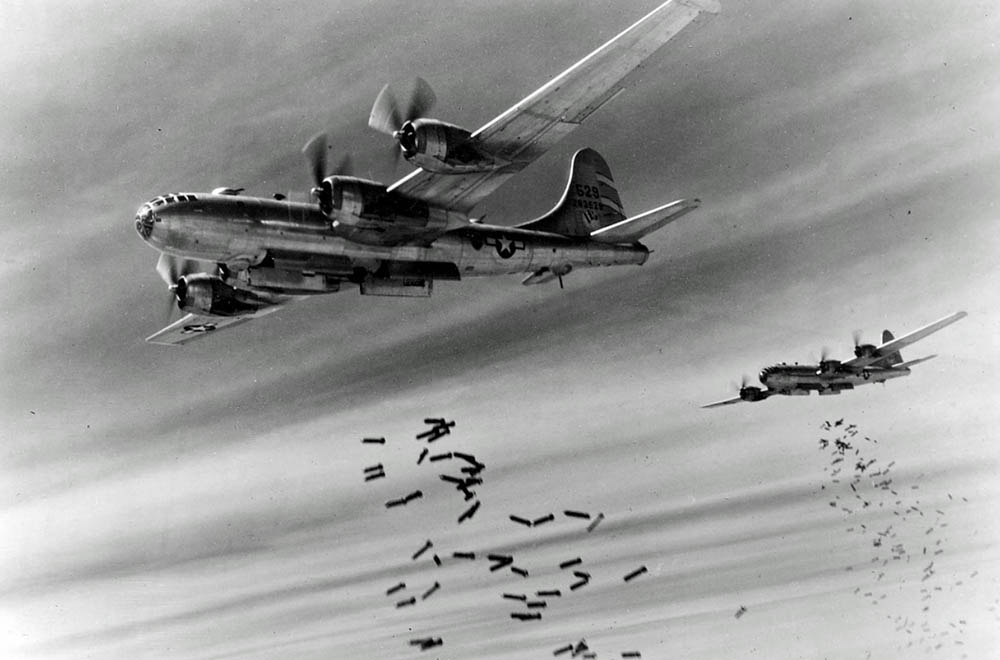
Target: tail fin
[(892, 358), (590, 201)]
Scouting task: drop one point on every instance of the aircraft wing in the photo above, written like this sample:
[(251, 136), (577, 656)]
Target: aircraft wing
[(530, 128), (724, 402), (911, 363), (193, 326), (899, 343)]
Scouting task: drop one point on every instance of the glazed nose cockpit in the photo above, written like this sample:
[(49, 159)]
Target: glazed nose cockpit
[(144, 221), (150, 213)]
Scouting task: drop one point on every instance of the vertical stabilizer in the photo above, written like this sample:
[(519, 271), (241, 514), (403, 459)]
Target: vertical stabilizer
[(590, 201), (892, 358)]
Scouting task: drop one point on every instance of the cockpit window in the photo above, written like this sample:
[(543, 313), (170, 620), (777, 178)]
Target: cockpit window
[(158, 201)]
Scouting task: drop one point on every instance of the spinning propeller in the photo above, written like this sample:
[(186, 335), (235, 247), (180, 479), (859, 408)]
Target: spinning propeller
[(744, 381), (863, 350), (387, 118), (315, 153), (172, 271)]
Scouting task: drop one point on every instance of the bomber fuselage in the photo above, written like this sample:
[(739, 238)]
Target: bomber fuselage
[(803, 379), (242, 232)]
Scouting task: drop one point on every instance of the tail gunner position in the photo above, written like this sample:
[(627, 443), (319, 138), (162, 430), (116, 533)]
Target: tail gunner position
[(228, 257)]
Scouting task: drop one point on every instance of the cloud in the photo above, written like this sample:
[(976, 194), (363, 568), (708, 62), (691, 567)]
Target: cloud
[(846, 156)]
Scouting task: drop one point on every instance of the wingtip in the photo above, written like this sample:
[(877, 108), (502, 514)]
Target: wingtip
[(152, 339)]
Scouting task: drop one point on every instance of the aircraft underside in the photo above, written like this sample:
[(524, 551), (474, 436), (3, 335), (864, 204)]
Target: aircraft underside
[(303, 263)]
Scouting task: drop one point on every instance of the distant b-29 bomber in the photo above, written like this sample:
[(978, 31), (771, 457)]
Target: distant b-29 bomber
[(871, 364)]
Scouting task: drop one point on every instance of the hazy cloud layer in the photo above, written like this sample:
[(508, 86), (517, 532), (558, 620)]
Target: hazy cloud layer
[(208, 502)]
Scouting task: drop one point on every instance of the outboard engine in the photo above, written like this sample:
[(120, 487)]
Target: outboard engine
[(440, 147), (827, 367), (432, 144), (751, 393), (865, 351), (202, 293)]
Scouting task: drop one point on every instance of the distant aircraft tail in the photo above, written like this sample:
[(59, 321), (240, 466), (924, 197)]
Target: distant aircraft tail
[(591, 207), (892, 358)]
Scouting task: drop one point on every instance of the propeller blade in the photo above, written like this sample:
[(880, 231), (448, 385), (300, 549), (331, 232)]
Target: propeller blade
[(315, 153), (394, 156), (384, 117), (421, 102), (856, 336), (824, 353), (344, 166), (171, 269), (168, 310)]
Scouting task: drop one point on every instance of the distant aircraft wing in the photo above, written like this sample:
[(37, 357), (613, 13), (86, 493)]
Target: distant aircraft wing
[(530, 128), (899, 343), (911, 363), (194, 326), (725, 402)]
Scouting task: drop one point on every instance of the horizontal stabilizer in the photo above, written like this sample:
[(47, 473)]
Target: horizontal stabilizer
[(632, 229), (907, 365)]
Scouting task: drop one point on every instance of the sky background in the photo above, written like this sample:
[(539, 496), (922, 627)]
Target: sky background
[(208, 501)]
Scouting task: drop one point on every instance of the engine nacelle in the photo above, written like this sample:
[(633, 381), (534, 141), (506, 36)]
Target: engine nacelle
[(438, 146), (827, 367), (751, 393), (865, 351), (353, 196), (365, 212), (202, 293)]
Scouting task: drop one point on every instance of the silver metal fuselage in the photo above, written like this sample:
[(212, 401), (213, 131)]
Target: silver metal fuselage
[(241, 231), (803, 379)]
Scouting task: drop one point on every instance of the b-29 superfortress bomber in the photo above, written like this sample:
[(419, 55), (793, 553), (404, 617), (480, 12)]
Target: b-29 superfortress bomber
[(871, 364), (228, 257)]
